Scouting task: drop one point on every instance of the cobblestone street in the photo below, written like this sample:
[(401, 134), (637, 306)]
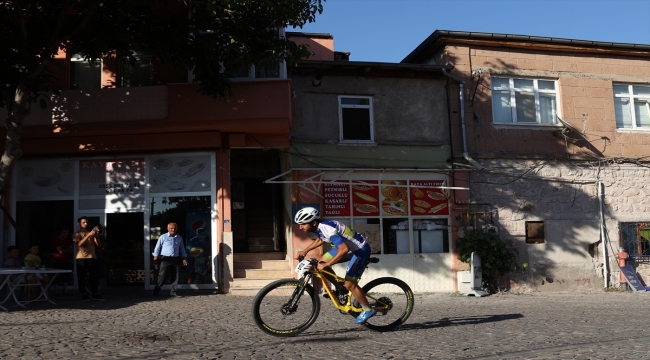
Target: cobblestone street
[(133, 324)]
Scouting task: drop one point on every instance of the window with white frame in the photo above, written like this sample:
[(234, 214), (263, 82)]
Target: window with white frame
[(355, 119), (85, 75), (632, 106), (524, 101)]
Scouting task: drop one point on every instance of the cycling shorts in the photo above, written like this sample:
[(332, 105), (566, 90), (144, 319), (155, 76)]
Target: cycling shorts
[(356, 265)]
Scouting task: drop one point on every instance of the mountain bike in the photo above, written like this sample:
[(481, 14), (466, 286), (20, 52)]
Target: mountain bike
[(287, 307)]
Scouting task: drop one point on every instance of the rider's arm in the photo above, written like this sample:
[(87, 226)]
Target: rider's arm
[(341, 250), (316, 243)]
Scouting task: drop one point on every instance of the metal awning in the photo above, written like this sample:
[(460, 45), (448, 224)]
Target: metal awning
[(316, 180)]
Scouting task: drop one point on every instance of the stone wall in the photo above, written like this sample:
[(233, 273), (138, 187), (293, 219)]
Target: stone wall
[(564, 195)]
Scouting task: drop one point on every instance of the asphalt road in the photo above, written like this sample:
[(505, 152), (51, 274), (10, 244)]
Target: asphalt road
[(133, 324)]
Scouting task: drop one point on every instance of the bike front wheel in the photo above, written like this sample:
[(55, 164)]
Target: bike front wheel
[(393, 300), (282, 309)]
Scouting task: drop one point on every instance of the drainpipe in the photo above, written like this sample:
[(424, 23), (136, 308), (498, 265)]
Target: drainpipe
[(462, 120), (602, 235)]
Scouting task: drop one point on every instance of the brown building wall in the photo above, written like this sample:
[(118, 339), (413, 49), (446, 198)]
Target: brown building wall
[(586, 101)]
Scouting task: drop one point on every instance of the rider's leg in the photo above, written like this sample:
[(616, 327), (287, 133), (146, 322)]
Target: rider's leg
[(356, 266), (326, 257)]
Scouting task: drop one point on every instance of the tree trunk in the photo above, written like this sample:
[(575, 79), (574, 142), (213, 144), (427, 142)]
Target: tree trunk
[(17, 110)]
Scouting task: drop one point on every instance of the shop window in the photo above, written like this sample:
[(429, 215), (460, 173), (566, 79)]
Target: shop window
[(635, 237), (632, 106), (355, 119), (192, 215), (396, 236), (371, 230), (524, 101), (535, 232), (430, 236), (85, 75), (39, 222)]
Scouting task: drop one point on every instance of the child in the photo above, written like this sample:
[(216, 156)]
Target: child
[(12, 257), (32, 260)]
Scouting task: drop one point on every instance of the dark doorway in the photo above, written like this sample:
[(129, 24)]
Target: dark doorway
[(125, 249), (256, 206)]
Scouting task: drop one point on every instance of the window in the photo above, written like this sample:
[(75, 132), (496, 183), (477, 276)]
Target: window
[(83, 74), (535, 232), (355, 119), (135, 74), (257, 72), (632, 106), (524, 101)]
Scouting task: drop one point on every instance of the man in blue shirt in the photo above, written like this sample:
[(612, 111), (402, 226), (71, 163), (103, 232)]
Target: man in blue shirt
[(170, 250)]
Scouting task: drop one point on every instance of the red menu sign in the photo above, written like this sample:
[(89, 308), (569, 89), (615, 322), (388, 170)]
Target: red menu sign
[(427, 201), (365, 198), (336, 199)]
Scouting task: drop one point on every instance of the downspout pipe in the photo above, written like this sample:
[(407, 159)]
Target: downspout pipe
[(462, 120), (602, 235)]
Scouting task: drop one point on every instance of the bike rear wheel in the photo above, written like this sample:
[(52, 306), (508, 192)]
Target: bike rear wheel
[(393, 300), (281, 309)]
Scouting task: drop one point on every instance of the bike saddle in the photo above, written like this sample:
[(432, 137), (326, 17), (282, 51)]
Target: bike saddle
[(373, 260)]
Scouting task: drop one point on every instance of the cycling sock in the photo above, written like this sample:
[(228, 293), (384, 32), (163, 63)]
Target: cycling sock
[(366, 307)]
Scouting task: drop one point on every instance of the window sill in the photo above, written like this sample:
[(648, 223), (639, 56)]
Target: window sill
[(346, 143), (623, 130), (527, 126)]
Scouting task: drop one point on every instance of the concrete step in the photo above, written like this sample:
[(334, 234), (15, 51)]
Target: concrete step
[(261, 248), (263, 264), (258, 256), (243, 283), (262, 273)]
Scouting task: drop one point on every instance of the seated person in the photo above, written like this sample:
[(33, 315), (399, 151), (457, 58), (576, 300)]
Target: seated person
[(12, 261), (62, 258), (32, 260), (12, 257)]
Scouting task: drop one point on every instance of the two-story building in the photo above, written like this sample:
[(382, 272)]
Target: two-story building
[(136, 146), (560, 129)]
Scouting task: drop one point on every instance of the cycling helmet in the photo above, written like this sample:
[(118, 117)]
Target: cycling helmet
[(306, 215)]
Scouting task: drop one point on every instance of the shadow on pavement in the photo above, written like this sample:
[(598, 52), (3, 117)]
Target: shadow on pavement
[(117, 298), (472, 320)]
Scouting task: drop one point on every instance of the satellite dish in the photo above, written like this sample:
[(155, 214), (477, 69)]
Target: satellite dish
[(568, 126)]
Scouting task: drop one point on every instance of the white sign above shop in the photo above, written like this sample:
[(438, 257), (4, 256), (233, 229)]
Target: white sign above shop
[(110, 176)]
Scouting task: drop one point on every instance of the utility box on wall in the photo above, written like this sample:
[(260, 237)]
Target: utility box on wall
[(464, 281)]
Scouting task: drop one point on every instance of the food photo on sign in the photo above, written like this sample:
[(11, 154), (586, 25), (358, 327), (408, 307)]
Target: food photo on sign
[(394, 197), (365, 198), (426, 200)]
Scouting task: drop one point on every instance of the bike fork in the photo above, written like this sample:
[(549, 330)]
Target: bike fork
[(295, 298)]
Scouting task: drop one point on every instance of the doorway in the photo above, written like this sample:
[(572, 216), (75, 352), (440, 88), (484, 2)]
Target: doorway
[(121, 259)]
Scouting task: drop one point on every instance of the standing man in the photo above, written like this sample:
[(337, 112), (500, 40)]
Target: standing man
[(86, 241), (170, 250)]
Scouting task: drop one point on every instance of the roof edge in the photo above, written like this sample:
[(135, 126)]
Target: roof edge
[(436, 35)]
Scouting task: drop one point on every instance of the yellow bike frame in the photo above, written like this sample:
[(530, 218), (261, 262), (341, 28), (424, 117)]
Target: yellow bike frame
[(348, 306)]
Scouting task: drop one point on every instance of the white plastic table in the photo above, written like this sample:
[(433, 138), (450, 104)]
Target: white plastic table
[(21, 282)]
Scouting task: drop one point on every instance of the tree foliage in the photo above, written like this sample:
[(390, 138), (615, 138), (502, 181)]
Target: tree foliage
[(211, 38), (498, 257)]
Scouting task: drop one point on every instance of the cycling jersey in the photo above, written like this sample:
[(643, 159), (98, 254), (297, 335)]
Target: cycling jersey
[(328, 229)]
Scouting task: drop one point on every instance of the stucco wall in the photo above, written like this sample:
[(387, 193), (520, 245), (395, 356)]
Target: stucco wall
[(404, 110)]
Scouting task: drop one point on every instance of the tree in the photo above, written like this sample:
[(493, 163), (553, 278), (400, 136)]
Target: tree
[(211, 38)]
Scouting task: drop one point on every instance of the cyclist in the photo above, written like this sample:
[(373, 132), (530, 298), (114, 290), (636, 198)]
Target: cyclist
[(343, 239)]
